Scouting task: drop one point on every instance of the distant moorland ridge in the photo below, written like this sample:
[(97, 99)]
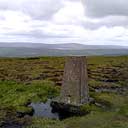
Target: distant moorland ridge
[(20, 49)]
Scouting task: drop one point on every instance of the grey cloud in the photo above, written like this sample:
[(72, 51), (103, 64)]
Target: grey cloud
[(37, 9), (111, 21), (2, 17), (38, 34), (102, 8)]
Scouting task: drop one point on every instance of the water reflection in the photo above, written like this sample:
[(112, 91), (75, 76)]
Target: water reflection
[(44, 110)]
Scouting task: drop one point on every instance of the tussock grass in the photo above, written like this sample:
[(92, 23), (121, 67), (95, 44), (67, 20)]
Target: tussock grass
[(25, 80)]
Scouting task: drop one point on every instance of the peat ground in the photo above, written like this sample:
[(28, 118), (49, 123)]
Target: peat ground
[(26, 80)]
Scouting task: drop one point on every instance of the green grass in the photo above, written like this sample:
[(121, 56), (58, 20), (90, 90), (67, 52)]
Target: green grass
[(25, 80), (108, 71), (103, 71), (113, 115), (17, 96)]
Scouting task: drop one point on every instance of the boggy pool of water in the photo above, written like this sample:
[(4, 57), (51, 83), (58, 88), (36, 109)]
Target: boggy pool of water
[(45, 110)]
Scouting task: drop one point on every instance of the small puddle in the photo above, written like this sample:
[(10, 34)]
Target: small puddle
[(44, 110)]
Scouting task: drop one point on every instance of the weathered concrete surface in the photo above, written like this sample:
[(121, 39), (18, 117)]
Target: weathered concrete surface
[(74, 91), (75, 81)]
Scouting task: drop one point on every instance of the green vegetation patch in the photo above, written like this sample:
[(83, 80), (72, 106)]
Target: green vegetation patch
[(19, 96), (113, 115), (31, 84), (103, 71)]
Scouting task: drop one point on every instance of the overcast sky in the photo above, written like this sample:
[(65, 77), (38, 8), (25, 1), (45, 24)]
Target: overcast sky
[(64, 21)]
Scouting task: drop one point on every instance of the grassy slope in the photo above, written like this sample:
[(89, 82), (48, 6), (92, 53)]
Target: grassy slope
[(103, 71), (14, 97), (31, 77), (113, 115), (108, 71)]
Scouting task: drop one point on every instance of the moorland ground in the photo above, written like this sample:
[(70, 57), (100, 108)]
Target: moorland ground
[(26, 80)]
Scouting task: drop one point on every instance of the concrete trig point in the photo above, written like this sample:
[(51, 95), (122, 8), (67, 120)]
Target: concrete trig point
[(74, 90), (75, 81)]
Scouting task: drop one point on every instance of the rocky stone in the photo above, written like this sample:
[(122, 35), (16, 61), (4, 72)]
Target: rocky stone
[(74, 90), (68, 108), (75, 81)]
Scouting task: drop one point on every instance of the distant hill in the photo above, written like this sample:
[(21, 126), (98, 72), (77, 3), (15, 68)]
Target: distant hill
[(39, 49), (69, 46)]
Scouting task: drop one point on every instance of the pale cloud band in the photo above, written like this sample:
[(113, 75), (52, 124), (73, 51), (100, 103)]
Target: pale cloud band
[(102, 8), (64, 21)]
